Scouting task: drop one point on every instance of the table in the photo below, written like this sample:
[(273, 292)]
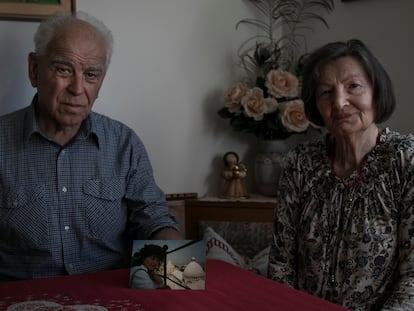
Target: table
[(227, 288)]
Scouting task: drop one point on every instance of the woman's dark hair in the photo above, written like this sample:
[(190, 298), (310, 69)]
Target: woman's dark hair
[(147, 251), (383, 93), (228, 153)]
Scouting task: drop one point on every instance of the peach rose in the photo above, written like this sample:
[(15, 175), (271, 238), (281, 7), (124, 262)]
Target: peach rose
[(233, 96), (255, 105), (282, 83), (293, 116)]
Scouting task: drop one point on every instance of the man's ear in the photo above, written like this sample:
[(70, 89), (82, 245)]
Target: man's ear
[(33, 68)]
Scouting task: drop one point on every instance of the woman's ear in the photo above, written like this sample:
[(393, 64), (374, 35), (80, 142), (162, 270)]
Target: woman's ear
[(33, 68)]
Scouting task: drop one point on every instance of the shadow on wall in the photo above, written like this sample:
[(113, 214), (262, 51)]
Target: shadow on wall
[(15, 88), (226, 140), (213, 180)]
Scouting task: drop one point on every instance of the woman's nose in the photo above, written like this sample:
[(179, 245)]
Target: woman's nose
[(340, 99)]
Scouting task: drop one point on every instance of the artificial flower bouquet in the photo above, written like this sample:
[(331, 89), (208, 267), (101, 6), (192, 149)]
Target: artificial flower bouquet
[(271, 109)]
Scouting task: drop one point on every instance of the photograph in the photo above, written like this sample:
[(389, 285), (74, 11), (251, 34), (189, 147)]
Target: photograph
[(34, 10), (168, 264)]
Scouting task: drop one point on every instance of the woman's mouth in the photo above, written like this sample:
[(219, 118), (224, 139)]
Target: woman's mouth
[(342, 116)]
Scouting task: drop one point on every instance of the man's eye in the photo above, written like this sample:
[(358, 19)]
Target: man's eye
[(92, 75), (63, 71)]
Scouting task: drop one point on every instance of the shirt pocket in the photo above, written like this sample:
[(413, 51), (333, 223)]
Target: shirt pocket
[(105, 210), (23, 218)]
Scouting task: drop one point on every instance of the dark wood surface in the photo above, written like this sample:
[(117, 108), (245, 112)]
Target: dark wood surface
[(254, 209)]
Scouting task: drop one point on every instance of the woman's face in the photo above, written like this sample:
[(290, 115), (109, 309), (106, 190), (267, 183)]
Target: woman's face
[(151, 263), (344, 97)]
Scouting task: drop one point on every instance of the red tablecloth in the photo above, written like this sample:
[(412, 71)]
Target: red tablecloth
[(227, 288)]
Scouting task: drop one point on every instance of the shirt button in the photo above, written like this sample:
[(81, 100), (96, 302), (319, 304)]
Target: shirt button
[(67, 228), (64, 189)]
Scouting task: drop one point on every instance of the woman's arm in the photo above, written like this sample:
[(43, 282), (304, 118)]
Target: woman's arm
[(402, 297), (282, 258)]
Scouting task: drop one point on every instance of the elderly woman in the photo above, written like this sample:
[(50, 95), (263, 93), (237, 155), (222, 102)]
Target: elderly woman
[(344, 223)]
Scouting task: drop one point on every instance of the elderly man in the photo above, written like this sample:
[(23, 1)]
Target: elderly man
[(76, 186)]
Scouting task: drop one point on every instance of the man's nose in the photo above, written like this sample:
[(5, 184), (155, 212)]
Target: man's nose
[(76, 84)]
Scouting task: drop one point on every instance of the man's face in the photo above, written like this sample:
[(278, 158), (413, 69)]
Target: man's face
[(68, 77)]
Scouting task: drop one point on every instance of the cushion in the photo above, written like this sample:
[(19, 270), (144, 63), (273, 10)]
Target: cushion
[(219, 248), (246, 238)]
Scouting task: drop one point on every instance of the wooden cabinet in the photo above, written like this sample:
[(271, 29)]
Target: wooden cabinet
[(176, 206), (255, 209)]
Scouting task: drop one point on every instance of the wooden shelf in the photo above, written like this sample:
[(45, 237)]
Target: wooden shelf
[(253, 209)]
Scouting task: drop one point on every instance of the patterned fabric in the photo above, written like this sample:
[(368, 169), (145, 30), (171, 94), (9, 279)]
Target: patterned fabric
[(220, 249), (73, 209), (350, 245), (247, 238)]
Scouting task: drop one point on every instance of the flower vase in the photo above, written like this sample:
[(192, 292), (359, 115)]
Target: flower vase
[(268, 165)]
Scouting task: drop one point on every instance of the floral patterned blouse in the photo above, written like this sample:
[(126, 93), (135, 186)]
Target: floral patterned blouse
[(348, 241)]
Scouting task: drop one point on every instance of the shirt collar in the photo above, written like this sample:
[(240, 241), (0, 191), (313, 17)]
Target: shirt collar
[(89, 128)]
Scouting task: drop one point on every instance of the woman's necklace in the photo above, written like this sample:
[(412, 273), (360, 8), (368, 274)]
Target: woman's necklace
[(356, 181), (349, 193)]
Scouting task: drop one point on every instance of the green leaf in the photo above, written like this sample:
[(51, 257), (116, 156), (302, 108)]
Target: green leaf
[(289, 17)]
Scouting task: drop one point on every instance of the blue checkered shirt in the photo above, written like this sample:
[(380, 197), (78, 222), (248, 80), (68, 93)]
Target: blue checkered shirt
[(73, 209)]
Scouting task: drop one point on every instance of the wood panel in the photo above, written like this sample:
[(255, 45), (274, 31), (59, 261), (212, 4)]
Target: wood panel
[(211, 209), (176, 205)]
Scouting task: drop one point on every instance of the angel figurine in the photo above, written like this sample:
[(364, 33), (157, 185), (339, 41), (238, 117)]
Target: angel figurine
[(234, 174)]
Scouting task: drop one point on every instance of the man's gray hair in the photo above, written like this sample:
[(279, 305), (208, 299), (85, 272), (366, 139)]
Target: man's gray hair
[(47, 29)]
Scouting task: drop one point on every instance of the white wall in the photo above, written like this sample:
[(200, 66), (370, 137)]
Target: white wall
[(174, 58)]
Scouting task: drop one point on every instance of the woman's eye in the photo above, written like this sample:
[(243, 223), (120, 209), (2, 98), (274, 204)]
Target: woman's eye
[(355, 87), (324, 92)]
